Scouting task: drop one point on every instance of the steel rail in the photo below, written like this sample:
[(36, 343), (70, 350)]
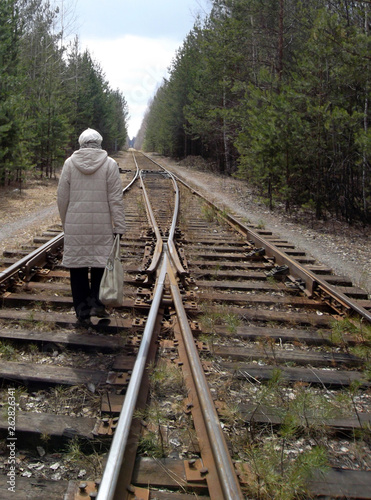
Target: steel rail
[(312, 281), (308, 276), (135, 176), (107, 488), (171, 245), (32, 259), (159, 244), (228, 481)]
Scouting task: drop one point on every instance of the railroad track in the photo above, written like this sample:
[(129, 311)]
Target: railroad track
[(233, 358)]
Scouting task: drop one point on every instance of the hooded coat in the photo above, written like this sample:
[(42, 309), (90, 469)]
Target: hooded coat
[(91, 208)]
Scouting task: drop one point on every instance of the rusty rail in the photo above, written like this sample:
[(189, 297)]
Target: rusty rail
[(108, 485), (36, 258), (158, 248), (126, 188), (221, 479), (313, 283)]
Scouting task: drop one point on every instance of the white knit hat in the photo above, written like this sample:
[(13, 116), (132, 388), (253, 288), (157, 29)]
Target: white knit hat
[(90, 135)]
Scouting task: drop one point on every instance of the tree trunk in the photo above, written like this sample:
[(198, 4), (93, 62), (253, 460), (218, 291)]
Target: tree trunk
[(280, 41), (270, 196), (365, 127), (225, 135)]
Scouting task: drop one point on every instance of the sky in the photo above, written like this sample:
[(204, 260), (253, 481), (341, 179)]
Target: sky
[(134, 42)]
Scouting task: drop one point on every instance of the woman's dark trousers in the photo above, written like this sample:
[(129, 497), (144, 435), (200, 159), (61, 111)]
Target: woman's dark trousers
[(85, 292)]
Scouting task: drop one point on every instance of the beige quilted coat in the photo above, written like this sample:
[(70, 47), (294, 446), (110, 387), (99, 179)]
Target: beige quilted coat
[(90, 206)]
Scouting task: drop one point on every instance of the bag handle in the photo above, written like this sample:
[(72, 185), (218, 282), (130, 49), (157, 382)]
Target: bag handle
[(115, 249)]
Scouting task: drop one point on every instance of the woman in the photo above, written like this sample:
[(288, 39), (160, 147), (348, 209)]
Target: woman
[(91, 209)]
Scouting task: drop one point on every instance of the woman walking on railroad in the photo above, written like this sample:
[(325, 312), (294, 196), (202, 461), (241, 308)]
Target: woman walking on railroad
[(91, 209)]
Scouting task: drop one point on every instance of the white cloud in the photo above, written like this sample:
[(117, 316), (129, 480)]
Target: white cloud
[(135, 65)]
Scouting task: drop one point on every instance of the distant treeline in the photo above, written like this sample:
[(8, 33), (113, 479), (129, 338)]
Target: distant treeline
[(49, 92), (276, 92)]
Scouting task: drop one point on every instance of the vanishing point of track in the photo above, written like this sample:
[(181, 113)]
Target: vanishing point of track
[(222, 311)]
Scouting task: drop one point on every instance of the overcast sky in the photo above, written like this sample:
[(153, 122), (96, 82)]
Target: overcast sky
[(134, 41)]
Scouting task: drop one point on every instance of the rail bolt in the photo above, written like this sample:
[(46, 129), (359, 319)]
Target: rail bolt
[(82, 487)]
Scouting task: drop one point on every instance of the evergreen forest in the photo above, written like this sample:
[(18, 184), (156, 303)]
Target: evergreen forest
[(49, 91), (276, 92)]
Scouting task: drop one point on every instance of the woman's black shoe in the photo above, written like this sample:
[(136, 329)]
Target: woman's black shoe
[(99, 312)]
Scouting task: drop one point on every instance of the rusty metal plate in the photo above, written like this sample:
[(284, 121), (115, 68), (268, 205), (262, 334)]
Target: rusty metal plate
[(86, 490), (195, 471), (134, 340), (141, 303), (195, 327), (167, 344), (190, 305), (118, 378), (139, 494), (202, 346), (138, 322), (43, 272), (188, 405), (207, 366), (107, 427)]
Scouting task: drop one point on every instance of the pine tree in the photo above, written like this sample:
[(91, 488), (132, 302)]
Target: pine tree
[(10, 118)]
